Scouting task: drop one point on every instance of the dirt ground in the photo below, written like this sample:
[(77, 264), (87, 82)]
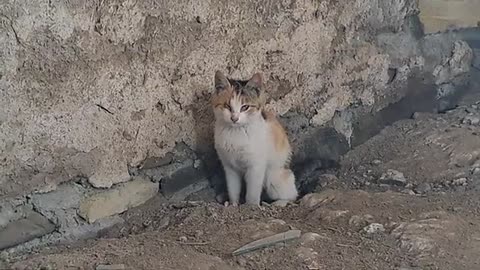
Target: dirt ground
[(423, 215)]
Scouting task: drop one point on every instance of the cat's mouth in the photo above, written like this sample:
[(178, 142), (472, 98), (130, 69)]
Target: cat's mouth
[(236, 124)]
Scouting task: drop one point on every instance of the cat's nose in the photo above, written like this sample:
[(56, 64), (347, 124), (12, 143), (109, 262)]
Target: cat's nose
[(234, 118)]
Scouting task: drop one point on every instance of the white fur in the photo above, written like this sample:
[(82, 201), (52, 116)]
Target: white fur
[(247, 151)]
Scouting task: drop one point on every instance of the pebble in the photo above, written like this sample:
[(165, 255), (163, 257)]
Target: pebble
[(470, 110), (182, 239), (471, 120), (310, 237), (376, 162), (460, 181), (4, 256), (147, 223), (374, 228), (457, 209), (408, 191), (278, 221), (359, 221), (423, 188), (315, 199), (476, 171), (393, 177)]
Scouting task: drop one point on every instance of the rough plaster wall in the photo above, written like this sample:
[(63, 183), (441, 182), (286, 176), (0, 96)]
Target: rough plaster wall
[(440, 15), (90, 87)]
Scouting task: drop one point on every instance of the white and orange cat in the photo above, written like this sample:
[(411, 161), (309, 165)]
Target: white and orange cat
[(251, 144)]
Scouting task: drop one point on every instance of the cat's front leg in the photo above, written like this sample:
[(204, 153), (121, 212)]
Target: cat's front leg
[(234, 185), (254, 179)]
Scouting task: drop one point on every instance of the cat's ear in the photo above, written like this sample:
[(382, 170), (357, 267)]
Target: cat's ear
[(255, 83), (221, 82)]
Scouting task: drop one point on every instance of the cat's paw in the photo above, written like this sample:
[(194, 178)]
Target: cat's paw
[(227, 204)]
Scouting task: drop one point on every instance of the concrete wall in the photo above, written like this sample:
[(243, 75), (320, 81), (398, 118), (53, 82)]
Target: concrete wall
[(440, 15)]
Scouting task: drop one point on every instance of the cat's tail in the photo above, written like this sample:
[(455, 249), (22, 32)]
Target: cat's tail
[(280, 185)]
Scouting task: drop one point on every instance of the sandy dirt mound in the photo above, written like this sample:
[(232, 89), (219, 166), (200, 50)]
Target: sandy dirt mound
[(417, 209)]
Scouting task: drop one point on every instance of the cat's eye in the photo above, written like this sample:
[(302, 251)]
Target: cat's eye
[(244, 108), (227, 107)]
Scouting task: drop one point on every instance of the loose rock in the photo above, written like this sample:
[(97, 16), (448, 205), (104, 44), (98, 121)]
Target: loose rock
[(393, 177), (421, 236), (408, 191), (310, 237), (314, 199), (374, 228), (460, 181), (360, 221), (423, 188), (278, 221), (376, 162), (471, 120), (328, 215)]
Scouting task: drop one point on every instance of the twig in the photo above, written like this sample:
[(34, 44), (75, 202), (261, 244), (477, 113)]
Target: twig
[(104, 109)]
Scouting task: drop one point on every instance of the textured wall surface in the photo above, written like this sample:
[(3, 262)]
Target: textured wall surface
[(89, 88), (440, 15)]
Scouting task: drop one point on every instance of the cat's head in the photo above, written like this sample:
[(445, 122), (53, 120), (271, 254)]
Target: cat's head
[(238, 103)]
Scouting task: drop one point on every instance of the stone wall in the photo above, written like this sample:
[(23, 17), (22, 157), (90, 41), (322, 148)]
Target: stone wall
[(95, 92)]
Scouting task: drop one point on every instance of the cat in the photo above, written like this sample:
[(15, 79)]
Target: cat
[(250, 142)]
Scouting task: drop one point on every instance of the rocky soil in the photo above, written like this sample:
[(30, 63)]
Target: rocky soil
[(406, 199)]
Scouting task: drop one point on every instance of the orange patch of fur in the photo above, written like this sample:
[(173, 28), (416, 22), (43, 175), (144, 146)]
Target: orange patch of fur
[(279, 135), (222, 98), (285, 175)]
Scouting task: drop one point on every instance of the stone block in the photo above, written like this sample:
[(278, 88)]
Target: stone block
[(117, 200), (26, 229), (60, 206)]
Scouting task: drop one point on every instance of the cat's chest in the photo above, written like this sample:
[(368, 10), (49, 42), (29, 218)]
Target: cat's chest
[(240, 146)]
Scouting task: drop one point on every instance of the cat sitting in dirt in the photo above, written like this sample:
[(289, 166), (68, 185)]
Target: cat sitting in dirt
[(250, 142)]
